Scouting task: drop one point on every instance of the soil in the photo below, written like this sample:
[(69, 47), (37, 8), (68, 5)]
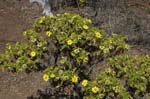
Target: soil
[(15, 17), (20, 85)]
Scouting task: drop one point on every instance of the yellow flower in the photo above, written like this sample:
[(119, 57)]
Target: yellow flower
[(95, 89), (84, 83), (48, 33), (98, 35), (75, 79), (33, 54), (85, 27), (52, 75), (45, 77), (69, 42)]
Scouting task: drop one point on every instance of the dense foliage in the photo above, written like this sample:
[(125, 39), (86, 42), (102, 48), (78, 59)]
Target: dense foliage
[(70, 47), (24, 56)]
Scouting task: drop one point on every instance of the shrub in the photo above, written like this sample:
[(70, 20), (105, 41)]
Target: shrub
[(77, 47), (134, 70)]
